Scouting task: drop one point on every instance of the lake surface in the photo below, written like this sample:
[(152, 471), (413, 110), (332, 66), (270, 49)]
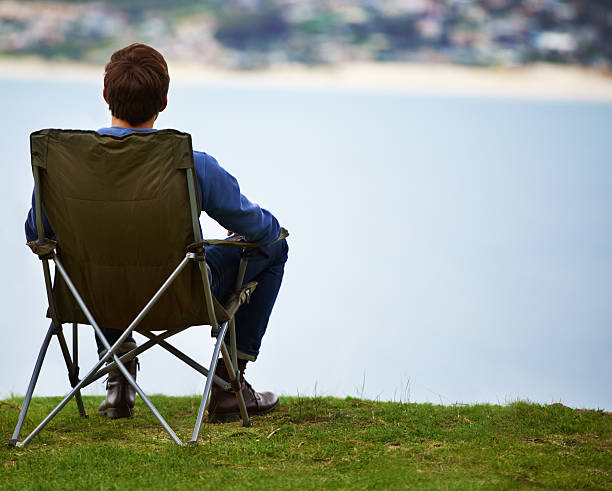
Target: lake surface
[(442, 249)]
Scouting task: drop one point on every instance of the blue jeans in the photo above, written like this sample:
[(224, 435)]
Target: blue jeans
[(266, 267)]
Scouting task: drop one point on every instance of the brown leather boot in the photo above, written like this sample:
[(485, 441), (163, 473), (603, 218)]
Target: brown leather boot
[(120, 395), (223, 406)]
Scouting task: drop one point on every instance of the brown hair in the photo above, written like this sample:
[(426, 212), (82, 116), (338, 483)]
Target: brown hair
[(136, 83)]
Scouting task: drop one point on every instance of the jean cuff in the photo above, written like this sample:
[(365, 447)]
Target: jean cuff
[(242, 355), (246, 356)]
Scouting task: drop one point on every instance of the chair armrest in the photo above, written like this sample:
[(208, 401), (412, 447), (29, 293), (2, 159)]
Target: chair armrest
[(43, 248), (235, 241)]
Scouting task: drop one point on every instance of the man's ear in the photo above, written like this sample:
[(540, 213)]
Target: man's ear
[(104, 95), (165, 104)]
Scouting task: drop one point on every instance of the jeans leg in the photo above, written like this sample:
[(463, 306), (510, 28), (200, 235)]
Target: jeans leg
[(112, 335), (267, 269)]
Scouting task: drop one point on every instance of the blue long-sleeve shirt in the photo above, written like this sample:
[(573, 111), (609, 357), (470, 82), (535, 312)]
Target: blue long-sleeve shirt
[(220, 197)]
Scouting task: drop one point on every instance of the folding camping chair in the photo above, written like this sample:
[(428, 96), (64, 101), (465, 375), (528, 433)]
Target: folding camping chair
[(129, 255)]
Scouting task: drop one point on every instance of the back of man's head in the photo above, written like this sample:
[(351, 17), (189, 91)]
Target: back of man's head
[(136, 83)]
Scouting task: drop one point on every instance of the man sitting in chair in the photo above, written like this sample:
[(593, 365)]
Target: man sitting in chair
[(135, 87)]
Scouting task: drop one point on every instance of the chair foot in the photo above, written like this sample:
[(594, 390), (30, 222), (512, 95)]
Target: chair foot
[(192, 443), (12, 443)]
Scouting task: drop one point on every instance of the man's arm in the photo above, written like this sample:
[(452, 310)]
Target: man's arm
[(30, 225), (222, 200)]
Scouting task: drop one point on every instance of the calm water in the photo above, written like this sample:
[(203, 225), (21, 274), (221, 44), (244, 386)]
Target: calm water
[(442, 249)]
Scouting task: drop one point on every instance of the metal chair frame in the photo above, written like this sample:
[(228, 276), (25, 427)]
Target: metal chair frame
[(230, 356)]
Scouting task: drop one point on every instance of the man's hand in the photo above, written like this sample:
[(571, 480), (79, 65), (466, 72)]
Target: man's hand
[(230, 233)]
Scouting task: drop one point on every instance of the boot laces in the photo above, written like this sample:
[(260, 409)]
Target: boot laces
[(105, 381), (247, 385)]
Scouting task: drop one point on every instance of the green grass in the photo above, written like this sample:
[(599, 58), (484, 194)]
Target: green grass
[(314, 443)]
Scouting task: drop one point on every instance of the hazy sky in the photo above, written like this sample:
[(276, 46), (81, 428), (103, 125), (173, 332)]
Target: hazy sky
[(442, 249)]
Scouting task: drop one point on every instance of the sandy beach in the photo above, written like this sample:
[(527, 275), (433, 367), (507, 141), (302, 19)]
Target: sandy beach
[(543, 81)]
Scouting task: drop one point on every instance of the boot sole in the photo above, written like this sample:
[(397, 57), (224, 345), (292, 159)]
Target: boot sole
[(117, 412), (233, 417)]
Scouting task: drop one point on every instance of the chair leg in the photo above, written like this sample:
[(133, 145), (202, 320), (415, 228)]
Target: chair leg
[(26, 403), (72, 375), (146, 400), (130, 355), (234, 348), (233, 373), (61, 405), (83, 382), (183, 357), (246, 421), (111, 353), (75, 360), (208, 385)]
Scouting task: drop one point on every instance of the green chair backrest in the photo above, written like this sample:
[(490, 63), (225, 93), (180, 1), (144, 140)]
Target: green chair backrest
[(120, 209)]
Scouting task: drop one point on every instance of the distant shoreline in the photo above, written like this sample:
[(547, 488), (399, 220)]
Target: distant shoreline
[(535, 82)]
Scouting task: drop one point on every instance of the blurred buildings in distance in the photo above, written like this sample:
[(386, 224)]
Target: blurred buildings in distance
[(247, 34)]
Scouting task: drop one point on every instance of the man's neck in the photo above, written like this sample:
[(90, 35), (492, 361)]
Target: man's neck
[(147, 125)]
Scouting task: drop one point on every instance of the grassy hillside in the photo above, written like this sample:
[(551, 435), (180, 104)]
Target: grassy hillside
[(313, 443)]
